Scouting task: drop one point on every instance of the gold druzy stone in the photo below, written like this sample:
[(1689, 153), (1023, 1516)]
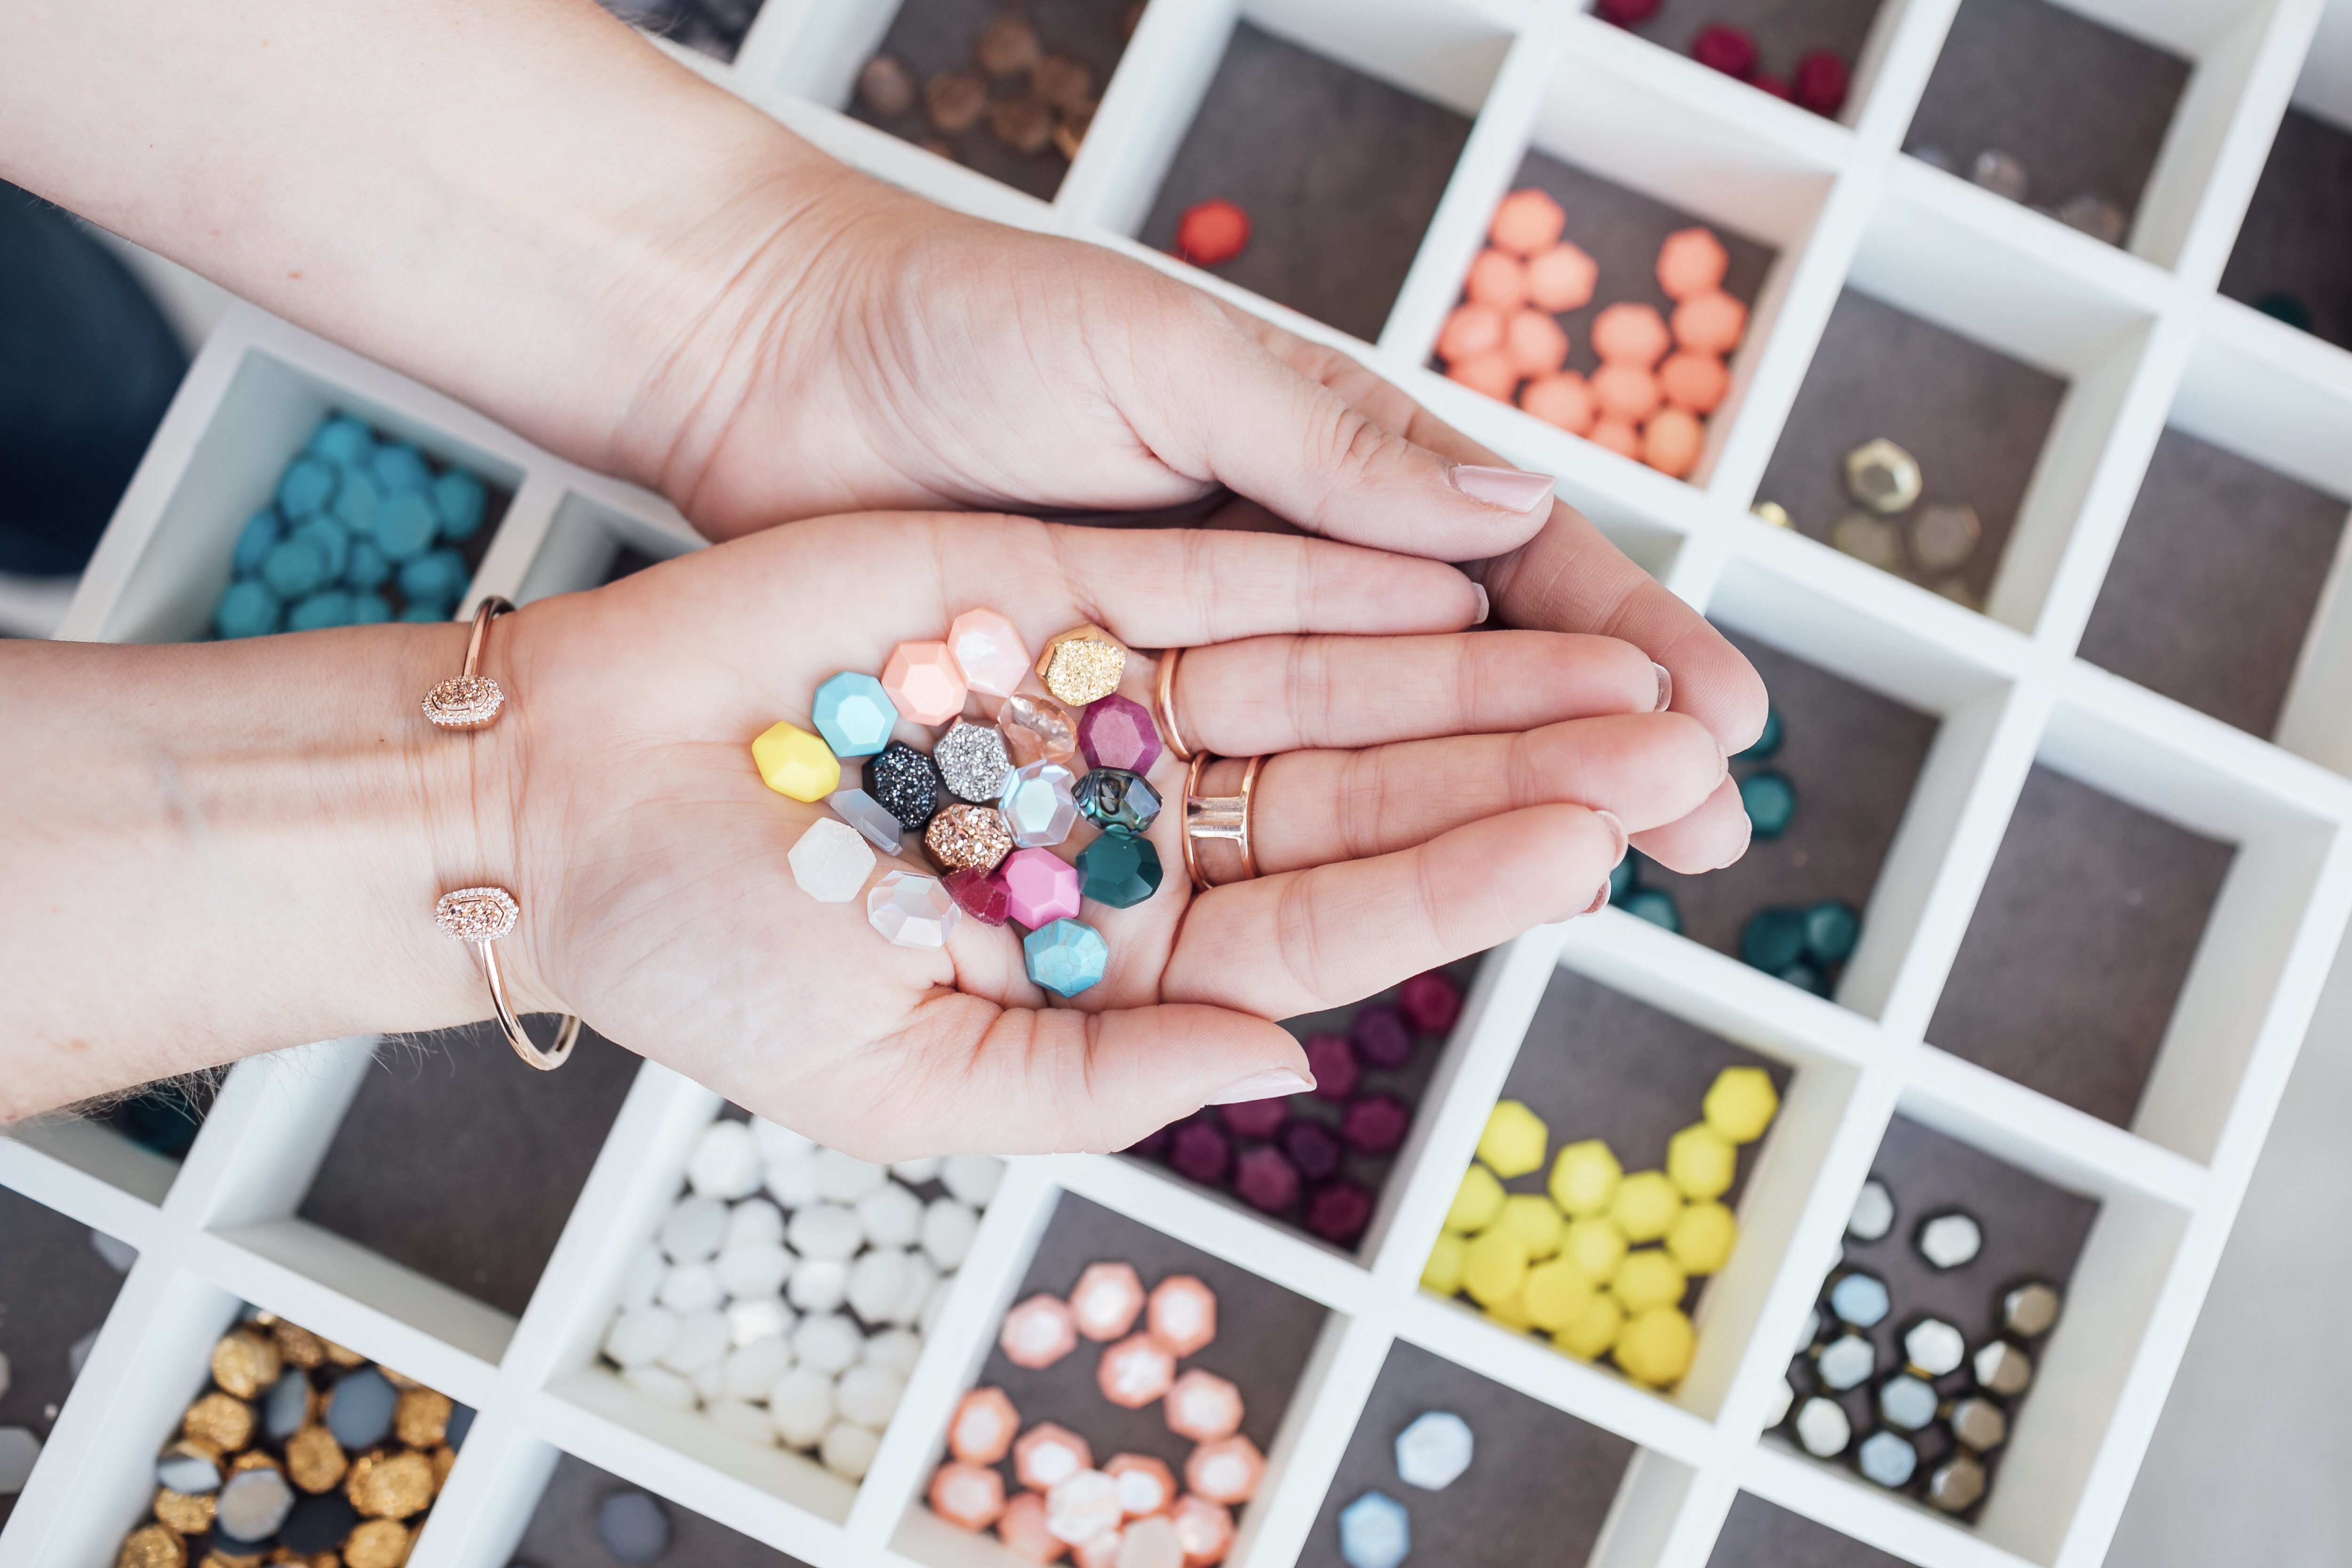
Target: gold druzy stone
[(314, 1460), (153, 1546), (217, 1558), (188, 1515), (1082, 666), (298, 1347), (226, 1422), (968, 835), (244, 1364), (445, 1459), (390, 1485), (464, 702), (340, 1356), (376, 1544), (422, 1417)]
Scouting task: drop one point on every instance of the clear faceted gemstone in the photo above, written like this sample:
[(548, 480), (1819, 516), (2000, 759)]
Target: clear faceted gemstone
[(912, 910), (1037, 730), (831, 862), (1039, 804), (863, 812)]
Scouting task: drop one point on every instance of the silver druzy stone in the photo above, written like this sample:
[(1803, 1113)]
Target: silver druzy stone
[(972, 762)]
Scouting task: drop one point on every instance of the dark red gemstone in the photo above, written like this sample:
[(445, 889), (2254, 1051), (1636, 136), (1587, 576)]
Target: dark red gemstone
[(1264, 1180), (1628, 13), (1212, 233), (1773, 86), (1381, 1037), (1821, 82), (1200, 1150), (1722, 47), (1333, 1062), (1257, 1118), (1339, 1211), (1429, 1002), (1376, 1124), (981, 895), (1312, 1148)]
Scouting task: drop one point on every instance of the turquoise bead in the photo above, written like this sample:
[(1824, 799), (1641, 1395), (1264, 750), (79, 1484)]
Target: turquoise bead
[(1770, 801), (437, 574), (1620, 881), (404, 527), (366, 567), (427, 613), (1066, 957), (1774, 940), (331, 539), (1805, 977), (293, 567), (247, 610), (1121, 870), (370, 609), (342, 440), (458, 497), (1767, 743), (320, 611), (1117, 800), (401, 471), (854, 714), (1831, 929), (1654, 905), (357, 501), (306, 486), (262, 531)]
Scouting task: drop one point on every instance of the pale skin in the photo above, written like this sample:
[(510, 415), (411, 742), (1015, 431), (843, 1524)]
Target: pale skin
[(235, 848)]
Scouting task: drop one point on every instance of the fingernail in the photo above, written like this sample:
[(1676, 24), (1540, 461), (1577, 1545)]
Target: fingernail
[(1745, 840), (1512, 489), (1618, 828), (1665, 689), (1271, 1084), (1480, 588), (1600, 899)]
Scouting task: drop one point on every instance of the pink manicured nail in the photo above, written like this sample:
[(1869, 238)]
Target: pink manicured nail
[(1617, 827), (1745, 840), (1665, 688), (1509, 489), (1600, 899), (1267, 1085), (1482, 605)]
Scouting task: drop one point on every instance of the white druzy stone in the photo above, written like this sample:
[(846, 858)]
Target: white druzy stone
[(867, 1394), (801, 1406), (819, 1285), (691, 1288), (640, 1334), (832, 862), (877, 1284), (948, 1230), (972, 1177), (827, 1342), (753, 1219)]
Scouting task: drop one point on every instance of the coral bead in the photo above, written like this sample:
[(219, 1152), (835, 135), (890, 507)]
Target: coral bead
[(1691, 261), (1624, 391), (1694, 381), (1671, 441), (1561, 279), (1471, 330), (1526, 221), (1497, 279), (1710, 324), (1492, 374), (1535, 344), (1564, 400), (1633, 334)]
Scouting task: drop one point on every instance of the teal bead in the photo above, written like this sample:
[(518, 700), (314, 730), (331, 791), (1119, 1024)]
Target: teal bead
[(1831, 929), (854, 714), (260, 535), (1121, 870), (1066, 957), (342, 440), (437, 574), (1117, 800), (1654, 905), (1805, 977), (1774, 940), (366, 567), (1770, 801), (357, 499), (1767, 745), (400, 469), (370, 609), (247, 610), (2283, 306), (460, 500), (404, 527), (320, 611), (331, 539), (1620, 881), (427, 614), (293, 567), (306, 487)]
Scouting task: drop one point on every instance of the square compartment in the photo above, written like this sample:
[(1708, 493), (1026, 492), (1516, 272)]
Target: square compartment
[(563, 1528), (2297, 231), (1756, 1535), (1783, 33), (162, 1118), (589, 544), (713, 27), (1539, 1488), (59, 1288)]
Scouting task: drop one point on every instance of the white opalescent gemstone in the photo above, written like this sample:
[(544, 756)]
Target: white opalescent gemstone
[(877, 1284), (972, 1177), (892, 1216), (661, 1386), (754, 1269), (639, 1335), (825, 1232), (819, 1285), (894, 1349), (753, 1369), (827, 1342), (691, 1288), (801, 1406), (848, 1449), (867, 1394), (702, 1339)]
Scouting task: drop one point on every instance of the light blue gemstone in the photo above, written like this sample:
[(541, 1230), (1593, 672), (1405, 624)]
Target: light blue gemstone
[(435, 574), (1887, 1459), (458, 497), (1906, 1402), (293, 567), (1038, 805), (404, 527), (1435, 1450), (366, 567), (342, 440), (262, 533), (320, 611), (854, 714), (401, 471), (1860, 1300), (306, 486), (332, 540), (357, 501), (247, 610), (1374, 1531), (284, 1407), (1066, 957), (370, 609), (427, 613)]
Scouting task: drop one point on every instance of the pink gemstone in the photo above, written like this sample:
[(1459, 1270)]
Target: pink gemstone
[(923, 682), (1038, 1333), (1134, 1372), (1226, 1470), (1376, 1124), (1203, 1407), (1265, 1179), (967, 1496), (1081, 1507), (1257, 1118), (1023, 1529), (1107, 1300), (1200, 1150), (1146, 1484), (1116, 733), (1040, 887), (989, 652), (1037, 730), (1182, 1314), (1431, 1002), (1332, 1061), (1339, 1211), (980, 895)]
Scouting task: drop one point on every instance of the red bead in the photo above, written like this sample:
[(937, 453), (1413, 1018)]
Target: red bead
[(1257, 1118), (1212, 233), (1628, 13), (1266, 1180), (1333, 1062), (1376, 1124), (1431, 1002), (980, 895), (1821, 82), (1338, 1212), (1722, 47), (1773, 86)]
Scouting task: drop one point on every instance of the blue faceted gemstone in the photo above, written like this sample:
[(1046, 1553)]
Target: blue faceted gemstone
[(1766, 744), (320, 611), (1832, 928), (247, 610), (854, 714), (1654, 905), (333, 542), (306, 486), (1066, 957), (1774, 940), (366, 567), (1374, 1531), (1620, 881), (1117, 800), (427, 613), (1121, 869), (1770, 801), (370, 609), (342, 440), (435, 574), (1860, 1300), (404, 525), (357, 501), (262, 533), (458, 497), (293, 567), (401, 471)]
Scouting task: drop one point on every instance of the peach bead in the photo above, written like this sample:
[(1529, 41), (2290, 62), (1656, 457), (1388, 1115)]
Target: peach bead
[(1471, 330), (1203, 1407), (1625, 391), (1496, 279), (1226, 1470), (1023, 1529), (1134, 1372), (923, 682), (1691, 261), (970, 1497), (1182, 1314), (1630, 334), (1710, 324), (1492, 374), (1146, 1484), (1565, 400), (1671, 440), (1204, 1529), (1692, 380), (1107, 1300), (982, 1430), (1038, 1333), (1526, 221), (1535, 344), (1047, 1455), (1562, 279), (1618, 435)]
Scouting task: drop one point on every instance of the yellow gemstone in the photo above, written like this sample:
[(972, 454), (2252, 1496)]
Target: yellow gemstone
[(1595, 1246), (794, 763), (1514, 1141), (1442, 1272), (1647, 1205), (1654, 1347), (1534, 1219), (1648, 1278), (1083, 665), (1476, 1201), (1493, 1266), (1584, 1178), (1701, 1161), (1741, 1103), (1554, 1294), (1595, 1327), (1703, 1239), (1512, 1314)]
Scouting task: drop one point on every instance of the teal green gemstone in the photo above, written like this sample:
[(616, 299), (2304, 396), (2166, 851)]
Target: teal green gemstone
[(293, 567), (1766, 744), (1620, 881), (460, 500), (320, 611), (1066, 957), (2284, 307), (1830, 930), (1771, 802), (369, 609), (306, 487), (400, 469), (366, 567), (405, 526), (1805, 977), (1121, 869), (357, 501), (435, 574), (427, 614), (1654, 905), (1117, 800), (247, 610), (342, 440), (854, 714), (1774, 940), (262, 531), (333, 542)]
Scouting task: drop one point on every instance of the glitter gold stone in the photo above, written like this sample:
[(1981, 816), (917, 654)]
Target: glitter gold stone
[(1082, 666), (244, 1364), (226, 1422), (376, 1544), (298, 1346), (188, 1515), (390, 1485), (477, 914), (341, 1356), (422, 1417), (972, 835), (464, 702), (314, 1460), (153, 1546), (444, 1459), (217, 1558)]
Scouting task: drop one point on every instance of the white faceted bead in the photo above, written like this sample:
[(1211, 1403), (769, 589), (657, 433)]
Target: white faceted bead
[(972, 1177), (948, 1230), (827, 1342), (738, 1419), (763, 1318), (691, 1288), (912, 910), (867, 1394), (914, 1172), (754, 1270), (892, 1216), (640, 1335), (753, 1219), (848, 1450), (778, 1141), (877, 1284), (724, 1162), (832, 862), (894, 1349), (801, 1406), (709, 1381), (661, 1386), (753, 1369), (694, 1229), (936, 1305), (819, 1285), (702, 1339), (844, 1178), (920, 1278), (791, 1181), (643, 1283), (826, 1232)]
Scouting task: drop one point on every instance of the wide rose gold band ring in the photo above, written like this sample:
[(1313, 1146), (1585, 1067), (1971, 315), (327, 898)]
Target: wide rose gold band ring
[(1225, 816)]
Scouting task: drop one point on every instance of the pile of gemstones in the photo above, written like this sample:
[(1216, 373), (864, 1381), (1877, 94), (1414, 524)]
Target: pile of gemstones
[(788, 1291), (991, 800), (1316, 1159), (1035, 100), (1601, 1261), (1887, 526), (1130, 1512), (1375, 1531), (1643, 401), (301, 1451), (360, 530)]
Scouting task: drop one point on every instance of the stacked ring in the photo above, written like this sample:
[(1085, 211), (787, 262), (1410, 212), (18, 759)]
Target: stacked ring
[(1223, 816)]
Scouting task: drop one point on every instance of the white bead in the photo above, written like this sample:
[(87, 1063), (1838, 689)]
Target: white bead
[(801, 1406), (724, 1162), (709, 1381), (694, 1229), (914, 1172), (827, 1232), (643, 1283), (639, 1335), (661, 1386), (754, 1269), (892, 1216), (867, 1394), (753, 1370), (753, 1219), (791, 1182), (738, 1419), (691, 1288), (778, 1141), (702, 1339), (920, 1278), (762, 1317), (827, 1342), (929, 1318), (844, 1178), (948, 1230), (972, 1177), (819, 1285), (894, 1349), (848, 1450), (831, 861), (877, 1284)]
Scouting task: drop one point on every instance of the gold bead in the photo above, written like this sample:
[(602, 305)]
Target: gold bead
[(298, 1347), (377, 1543), (342, 1357), (314, 1460), (444, 1459), (226, 1422), (1083, 665), (390, 1485), (217, 1558), (186, 1514), (422, 1417), (153, 1546), (972, 835), (244, 1364), (1773, 513)]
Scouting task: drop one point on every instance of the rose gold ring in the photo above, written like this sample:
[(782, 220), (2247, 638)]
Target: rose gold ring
[(1218, 816), (1164, 706), (481, 916)]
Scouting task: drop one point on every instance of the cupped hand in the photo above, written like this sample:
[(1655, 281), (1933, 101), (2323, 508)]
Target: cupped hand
[(1428, 793)]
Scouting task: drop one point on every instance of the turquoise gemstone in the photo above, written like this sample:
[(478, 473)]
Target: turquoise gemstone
[(1767, 743), (427, 614), (854, 714), (1620, 881), (1771, 802), (401, 471), (366, 567), (333, 540), (306, 486), (293, 567), (357, 501), (404, 527), (1774, 940), (1830, 930), (342, 440), (1116, 800), (320, 611), (1121, 869), (1805, 977), (435, 574), (261, 534), (458, 497), (1654, 905), (1066, 957), (247, 610), (370, 609)]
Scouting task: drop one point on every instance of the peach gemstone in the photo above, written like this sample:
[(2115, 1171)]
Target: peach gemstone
[(1694, 381), (1691, 261), (1671, 440), (1134, 1372), (1618, 435), (1146, 1484), (1203, 1407), (1047, 1455), (1023, 1529), (1496, 279), (1102, 1551), (1535, 344), (1710, 324), (923, 682), (1565, 400), (1562, 279), (983, 1427), (1226, 1470), (1204, 1529), (1526, 221), (970, 1497), (1081, 1507), (1492, 374), (1470, 331), (1150, 1543), (1625, 391), (1630, 334), (1038, 1333), (1182, 1314), (989, 652), (1107, 1300)]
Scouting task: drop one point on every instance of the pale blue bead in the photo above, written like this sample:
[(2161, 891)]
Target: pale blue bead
[(435, 574), (427, 613), (359, 1408), (401, 471), (1860, 1300), (854, 714), (404, 527), (306, 486), (262, 531), (285, 1407), (370, 609), (366, 567), (331, 539), (1374, 1531), (1435, 1450), (1887, 1459), (357, 500), (458, 497), (247, 610), (342, 440), (1066, 957), (320, 611), (293, 567)]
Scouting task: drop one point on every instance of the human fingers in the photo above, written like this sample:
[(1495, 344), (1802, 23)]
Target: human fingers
[(1712, 837)]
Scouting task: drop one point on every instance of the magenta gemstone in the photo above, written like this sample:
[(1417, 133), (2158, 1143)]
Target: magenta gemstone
[(1040, 887), (1265, 1181), (1257, 1118), (980, 895), (1333, 1063), (1381, 1037), (1376, 1124), (1312, 1148), (1431, 1002), (1200, 1150), (1339, 1211), (1116, 732)]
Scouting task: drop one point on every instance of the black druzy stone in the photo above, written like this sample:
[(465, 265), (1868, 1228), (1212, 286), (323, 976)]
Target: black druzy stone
[(319, 1524), (906, 784)]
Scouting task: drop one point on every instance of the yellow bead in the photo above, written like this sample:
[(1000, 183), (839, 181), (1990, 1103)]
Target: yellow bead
[(1703, 1239), (1494, 1267), (1701, 1161), (1532, 1217), (1514, 1141), (1554, 1293), (1442, 1272), (1595, 1246), (1512, 1314), (1476, 1201), (1654, 1347), (1741, 1103), (1595, 1329), (1647, 1205), (795, 763), (1584, 1178), (1648, 1278)]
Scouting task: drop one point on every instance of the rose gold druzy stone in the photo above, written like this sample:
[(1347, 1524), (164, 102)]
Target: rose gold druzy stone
[(1204, 1529), (1526, 221), (923, 682), (1496, 279), (1710, 324), (1226, 1470), (974, 836), (1081, 665), (1047, 1455), (1472, 330), (464, 702), (989, 651), (1037, 730), (1565, 400), (1134, 1372), (1107, 1300), (1182, 1314), (1631, 334), (1691, 261), (983, 1427), (1203, 1407), (477, 914), (970, 1497), (1146, 1484), (1038, 1333), (1561, 279), (1023, 1529)]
